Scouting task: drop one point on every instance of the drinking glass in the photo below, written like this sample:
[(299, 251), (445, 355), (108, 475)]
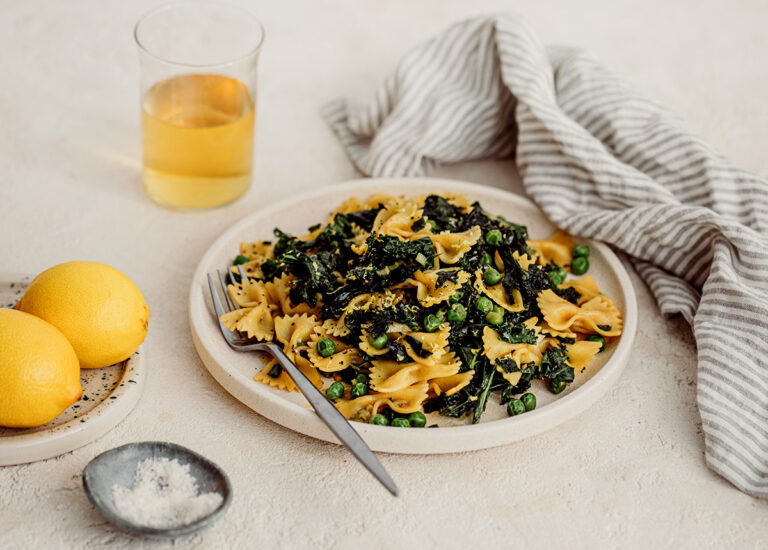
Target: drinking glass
[(198, 64)]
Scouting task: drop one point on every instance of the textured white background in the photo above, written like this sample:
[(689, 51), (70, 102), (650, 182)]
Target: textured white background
[(628, 473)]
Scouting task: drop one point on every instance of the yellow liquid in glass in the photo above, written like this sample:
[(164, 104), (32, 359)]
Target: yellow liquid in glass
[(197, 135)]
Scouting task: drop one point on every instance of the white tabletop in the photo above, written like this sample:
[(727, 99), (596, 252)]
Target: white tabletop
[(629, 472)]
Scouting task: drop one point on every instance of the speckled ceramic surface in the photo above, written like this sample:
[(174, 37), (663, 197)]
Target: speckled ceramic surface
[(109, 394), (235, 371)]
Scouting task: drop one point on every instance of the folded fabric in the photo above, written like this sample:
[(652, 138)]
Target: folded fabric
[(606, 163)]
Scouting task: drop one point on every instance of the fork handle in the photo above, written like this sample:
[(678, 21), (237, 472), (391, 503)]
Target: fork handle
[(335, 421)]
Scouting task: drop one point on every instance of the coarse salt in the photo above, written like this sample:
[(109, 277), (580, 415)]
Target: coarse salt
[(164, 495)]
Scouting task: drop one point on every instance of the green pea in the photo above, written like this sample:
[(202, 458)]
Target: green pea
[(326, 347), (491, 276), (417, 420), (557, 276), (378, 342), (556, 386), (486, 259), (597, 338), (358, 390), (495, 317), (515, 407), (362, 377), (580, 265), (401, 423), (483, 304), (456, 297), (581, 251), (240, 259), (494, 237), (431, 323), (457, 313), (379, 420), (529, 400), (335, 391), (432, 225)]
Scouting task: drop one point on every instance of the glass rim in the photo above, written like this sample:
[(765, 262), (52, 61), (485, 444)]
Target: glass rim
[(170, 5)]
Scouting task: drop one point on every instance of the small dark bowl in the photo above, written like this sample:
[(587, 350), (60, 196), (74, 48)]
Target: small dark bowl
[(118, 467)]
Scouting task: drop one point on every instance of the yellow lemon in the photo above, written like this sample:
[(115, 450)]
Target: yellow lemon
[(100, 311), (39, 371)]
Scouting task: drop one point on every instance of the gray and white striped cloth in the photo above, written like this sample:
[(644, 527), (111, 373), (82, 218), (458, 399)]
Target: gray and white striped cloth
[(603, 162)]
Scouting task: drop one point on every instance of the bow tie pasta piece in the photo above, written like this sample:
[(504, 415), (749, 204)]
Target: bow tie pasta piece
[(343, 357), (522, 354), (548, 330), (437, 285), (581, 353), (449, 385), (249, 293), (257, 253), (498, 294), (389, 376), (280, 382), (433, 345), (366, 347), (396, 220), (405, 401), (598, 315), (557, 248), (384, 200), (452, 246), (434, 286), (256, 322), (294, 332), (254, 317)]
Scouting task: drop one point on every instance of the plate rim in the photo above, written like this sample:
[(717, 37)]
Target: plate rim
[(25, 448), (304, 421)]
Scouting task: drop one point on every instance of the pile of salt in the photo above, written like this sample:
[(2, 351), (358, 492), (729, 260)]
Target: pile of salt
[(164, 495)]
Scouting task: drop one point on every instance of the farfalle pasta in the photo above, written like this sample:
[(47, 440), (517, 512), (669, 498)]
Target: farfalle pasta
[(400, 308)]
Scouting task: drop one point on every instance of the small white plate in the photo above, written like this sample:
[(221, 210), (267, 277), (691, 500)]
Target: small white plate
[(109, 394), (235, 371)]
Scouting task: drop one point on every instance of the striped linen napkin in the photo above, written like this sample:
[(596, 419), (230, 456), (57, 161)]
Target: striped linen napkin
[(603, 162)]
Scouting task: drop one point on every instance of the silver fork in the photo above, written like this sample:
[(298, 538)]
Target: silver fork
[(339, 425)]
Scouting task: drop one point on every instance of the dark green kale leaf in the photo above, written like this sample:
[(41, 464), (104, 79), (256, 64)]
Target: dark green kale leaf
[(529, 283), (338, 229), (443, 213), (569, 293), (516, 334), (271, 269), (445, 275), (314, 276), (396, 352), (553, 365), (286, 242), (364, 218)]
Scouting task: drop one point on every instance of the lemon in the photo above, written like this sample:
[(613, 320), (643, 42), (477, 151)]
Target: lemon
[(39, 371), (100, 311)]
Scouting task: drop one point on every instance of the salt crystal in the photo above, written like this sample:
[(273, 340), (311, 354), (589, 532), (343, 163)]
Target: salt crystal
[(164, 495)]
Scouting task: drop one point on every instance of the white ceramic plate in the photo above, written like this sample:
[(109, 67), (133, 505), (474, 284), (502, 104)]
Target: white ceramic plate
[(109, 394), (235, 371)]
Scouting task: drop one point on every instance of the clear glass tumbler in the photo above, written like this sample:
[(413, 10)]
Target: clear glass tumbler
[(198, 102)]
